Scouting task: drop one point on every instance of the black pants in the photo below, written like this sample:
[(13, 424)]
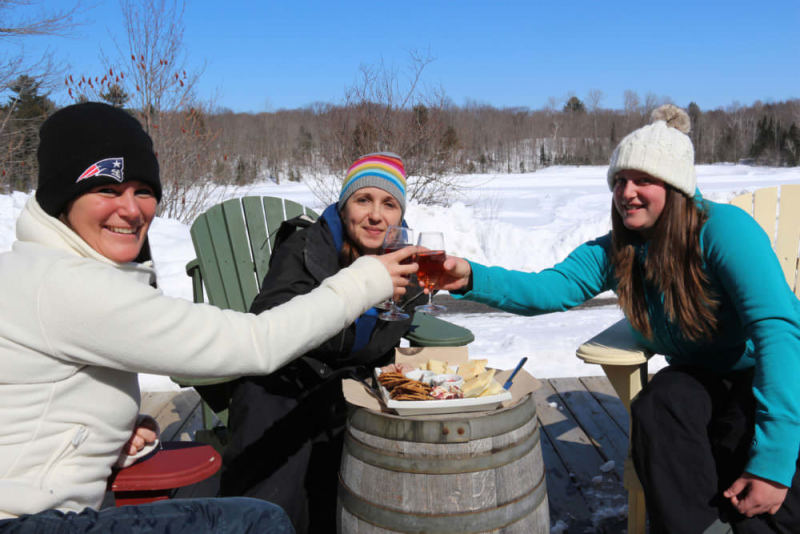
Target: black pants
[(174, 516), (691, 433), (286, 447)]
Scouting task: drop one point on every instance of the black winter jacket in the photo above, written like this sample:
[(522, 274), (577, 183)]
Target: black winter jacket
[(287, 428)]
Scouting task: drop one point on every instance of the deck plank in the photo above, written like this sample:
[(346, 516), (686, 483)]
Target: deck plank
[(577, 450), (583, 424), (604, 392), (603, 493), (565, 501), (177, 412), (609, 440)]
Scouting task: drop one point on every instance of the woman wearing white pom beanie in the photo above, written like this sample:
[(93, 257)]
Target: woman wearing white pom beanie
[(715, 434)]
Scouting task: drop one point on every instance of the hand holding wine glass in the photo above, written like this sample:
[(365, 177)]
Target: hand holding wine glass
[(399, 266), (455, 275), (396, 238), (431, 262)]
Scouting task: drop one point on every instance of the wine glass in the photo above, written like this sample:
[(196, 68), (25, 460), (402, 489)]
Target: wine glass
[(396, 237), (431, 265)]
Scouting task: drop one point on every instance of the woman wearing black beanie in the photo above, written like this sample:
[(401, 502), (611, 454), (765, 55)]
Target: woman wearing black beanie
[(80, 317)]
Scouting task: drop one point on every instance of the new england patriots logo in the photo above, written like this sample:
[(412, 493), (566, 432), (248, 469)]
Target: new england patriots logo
[(110, 167)]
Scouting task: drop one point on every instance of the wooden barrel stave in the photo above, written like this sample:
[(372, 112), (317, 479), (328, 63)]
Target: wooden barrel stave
[(394, 485)]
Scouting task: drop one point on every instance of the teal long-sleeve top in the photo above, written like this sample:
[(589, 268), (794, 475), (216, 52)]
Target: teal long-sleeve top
[(758, 317)]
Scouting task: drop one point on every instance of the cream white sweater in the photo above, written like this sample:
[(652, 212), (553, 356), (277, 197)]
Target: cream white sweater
[(75, 328)]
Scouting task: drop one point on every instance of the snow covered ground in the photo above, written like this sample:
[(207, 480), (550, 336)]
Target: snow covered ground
[(521, 221)]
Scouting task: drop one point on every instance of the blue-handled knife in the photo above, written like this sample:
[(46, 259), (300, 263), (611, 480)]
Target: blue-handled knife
[(516, 370)]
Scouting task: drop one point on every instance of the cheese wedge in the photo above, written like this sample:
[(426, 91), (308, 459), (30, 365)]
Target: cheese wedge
[(437, 366), (494, 389), (477, 384), (471, 368)]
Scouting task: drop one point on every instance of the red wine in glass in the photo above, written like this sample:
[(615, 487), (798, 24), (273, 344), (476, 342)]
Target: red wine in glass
[(389, 250), (431, 267), (396, 237)]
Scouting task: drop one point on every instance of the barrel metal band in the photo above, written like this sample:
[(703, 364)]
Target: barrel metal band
[(440, 465), (429, 430), (448, 523)]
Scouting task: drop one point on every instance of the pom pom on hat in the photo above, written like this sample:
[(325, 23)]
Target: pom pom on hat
[(661, 149), (673, 116), (90, 144), (383, 170)]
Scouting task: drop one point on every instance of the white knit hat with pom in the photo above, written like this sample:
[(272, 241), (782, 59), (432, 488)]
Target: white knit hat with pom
[(661, 149)]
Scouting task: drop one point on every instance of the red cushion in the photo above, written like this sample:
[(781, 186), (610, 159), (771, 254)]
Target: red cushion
[(176, 464)]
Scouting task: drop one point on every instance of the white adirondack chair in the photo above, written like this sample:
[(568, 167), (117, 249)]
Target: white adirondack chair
[(777, 210)]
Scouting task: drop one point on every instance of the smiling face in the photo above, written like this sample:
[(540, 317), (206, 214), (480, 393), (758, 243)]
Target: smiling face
[(639, 199), (114, 219), (367, 214)]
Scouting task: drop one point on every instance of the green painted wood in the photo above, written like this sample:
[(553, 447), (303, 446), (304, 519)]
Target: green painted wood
[(430, 331), (292, 209), (193, 272), (260, 247), (226, 265), (207, 261), (274, 211), (242, 260)]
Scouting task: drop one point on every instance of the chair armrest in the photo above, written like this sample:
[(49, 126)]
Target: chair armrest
[(614, 346), (429, 331), (624, 361), (193, 272), (177, 464)]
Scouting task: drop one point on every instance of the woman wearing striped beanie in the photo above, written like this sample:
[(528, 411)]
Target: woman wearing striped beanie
[(288, 428)]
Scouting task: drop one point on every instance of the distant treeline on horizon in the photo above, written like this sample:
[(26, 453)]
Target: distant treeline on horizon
[(435, 138)]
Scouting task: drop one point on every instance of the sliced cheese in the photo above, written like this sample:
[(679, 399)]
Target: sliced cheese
[(437, 366), (472, 368), (494, 388), (477, 384)]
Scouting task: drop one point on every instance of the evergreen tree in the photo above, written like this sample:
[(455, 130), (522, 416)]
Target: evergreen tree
[(694, 115), (574, 105), (790, 146), (765, 140), (115, 95), (27, 109)]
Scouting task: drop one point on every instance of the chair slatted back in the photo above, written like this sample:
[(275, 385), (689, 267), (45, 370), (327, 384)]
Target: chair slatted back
[(233, 242), (777, 211)]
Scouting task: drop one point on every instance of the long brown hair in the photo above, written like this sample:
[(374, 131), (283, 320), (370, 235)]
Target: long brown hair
[(349, 252), (673, 265)]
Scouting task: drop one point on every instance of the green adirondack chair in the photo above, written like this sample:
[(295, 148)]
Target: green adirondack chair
[(233, 243)]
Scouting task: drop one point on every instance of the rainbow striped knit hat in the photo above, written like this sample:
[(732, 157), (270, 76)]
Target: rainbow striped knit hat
[(383, 170)]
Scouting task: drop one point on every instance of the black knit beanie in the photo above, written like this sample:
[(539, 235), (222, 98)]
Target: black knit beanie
[(86, 145)]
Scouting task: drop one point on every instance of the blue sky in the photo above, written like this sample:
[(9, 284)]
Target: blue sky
[(266, 55)]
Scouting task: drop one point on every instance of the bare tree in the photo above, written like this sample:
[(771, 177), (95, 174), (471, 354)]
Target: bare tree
[(386, 112), (151, 71), (633, 109), (21, 20)]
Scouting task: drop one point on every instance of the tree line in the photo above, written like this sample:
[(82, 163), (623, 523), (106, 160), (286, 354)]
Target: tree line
[(436, 139), (200, 147)]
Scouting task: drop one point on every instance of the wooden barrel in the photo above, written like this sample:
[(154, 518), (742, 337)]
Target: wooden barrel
[(453, 473)]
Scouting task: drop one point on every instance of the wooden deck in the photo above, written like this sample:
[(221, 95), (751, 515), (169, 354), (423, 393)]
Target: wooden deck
[(584, 444)]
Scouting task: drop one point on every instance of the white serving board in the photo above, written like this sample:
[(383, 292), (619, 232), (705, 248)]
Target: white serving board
[(427, 407)]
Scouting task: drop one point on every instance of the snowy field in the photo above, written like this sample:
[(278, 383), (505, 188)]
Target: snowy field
[(521, 221)]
